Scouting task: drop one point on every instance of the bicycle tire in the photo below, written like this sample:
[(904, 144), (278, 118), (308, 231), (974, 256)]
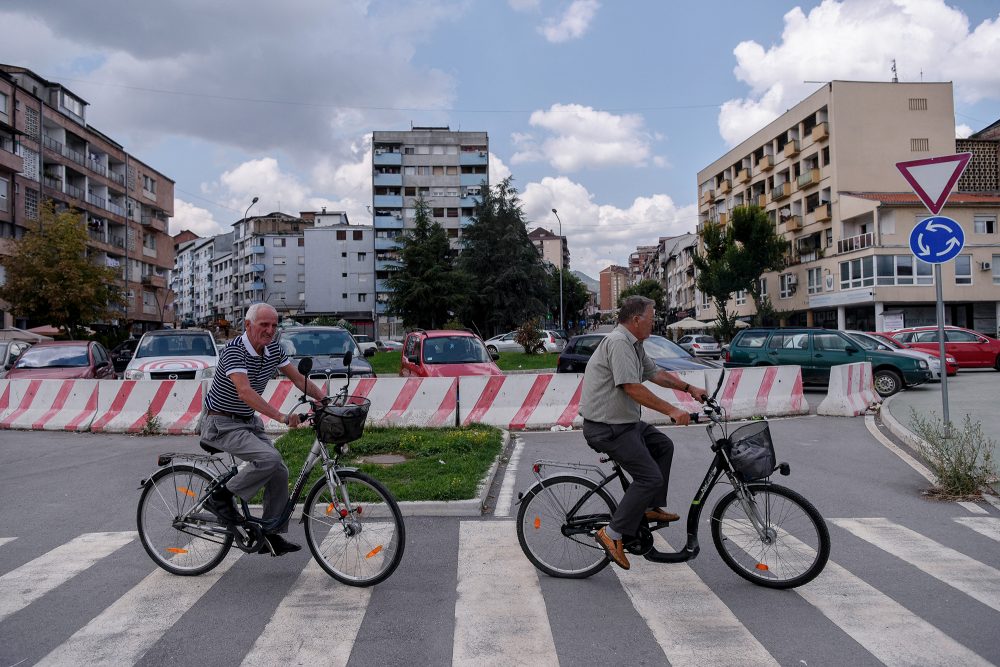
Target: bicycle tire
[(170, 493), (540, 520), (363, 547), (796, 550)]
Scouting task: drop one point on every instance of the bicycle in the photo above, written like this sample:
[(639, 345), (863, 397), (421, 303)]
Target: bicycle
[(768, 534), (353, 525)]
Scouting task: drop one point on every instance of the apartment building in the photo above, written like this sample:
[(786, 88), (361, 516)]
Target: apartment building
[(340, 274), (227, 312), (679, 275), (446, 169), (269, 263), (825, 173), (614, 279), (637, 262), (49, 151), (194, 284), (551, 247)]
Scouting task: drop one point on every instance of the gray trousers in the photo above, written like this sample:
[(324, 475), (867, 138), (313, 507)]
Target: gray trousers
[(265, 468), (646, 454)]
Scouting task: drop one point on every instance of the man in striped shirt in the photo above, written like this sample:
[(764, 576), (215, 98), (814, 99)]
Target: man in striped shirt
[(245, 366)]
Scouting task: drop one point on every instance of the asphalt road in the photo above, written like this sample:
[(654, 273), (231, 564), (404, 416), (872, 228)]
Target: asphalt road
[(929, 593)]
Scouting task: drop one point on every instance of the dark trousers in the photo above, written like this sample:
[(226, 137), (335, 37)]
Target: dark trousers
[(645, 453)]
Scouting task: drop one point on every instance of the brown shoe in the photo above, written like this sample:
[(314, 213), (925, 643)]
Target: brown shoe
[(613, 548), (661, 516)]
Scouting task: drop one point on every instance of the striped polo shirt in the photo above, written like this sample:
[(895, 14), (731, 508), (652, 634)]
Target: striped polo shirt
[(238, 356)]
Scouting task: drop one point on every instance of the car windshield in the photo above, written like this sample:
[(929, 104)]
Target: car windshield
[(318, 343), (177, 345), (704, 339), (658, 347), (455, 350), (866, 342), (57, 356), (891, 342)]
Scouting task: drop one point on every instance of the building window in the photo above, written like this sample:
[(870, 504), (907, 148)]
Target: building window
[(278, 261), (963, 270), (857, 273), (302, 242), (343, 295), (815, 278), (763, 287), (741, 297), (903, 270), (4, 195), (362, 298), (786, 285), (341, 235), (362, 256), (72, 105), (920, 145), (918, 104), (148, 184), (279, 277), (302, 297), (344, 255), (278, 243), (358, 235), (996, 269), (984, 224)]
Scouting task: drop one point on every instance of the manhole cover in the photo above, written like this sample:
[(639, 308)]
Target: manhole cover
[(384, 459)]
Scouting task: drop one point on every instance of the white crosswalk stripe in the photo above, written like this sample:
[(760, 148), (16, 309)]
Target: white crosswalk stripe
[(988, 526), (22, 586), (5, 540), (123, 632), (966, 574), (500, 614)]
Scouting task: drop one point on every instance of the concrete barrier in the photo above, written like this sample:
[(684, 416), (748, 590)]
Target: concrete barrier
[(4, 398), (676, 397), (765, 391), (122, 407), (516, 402), (407, 401), (283, 395), (51, 405), (851, 391)]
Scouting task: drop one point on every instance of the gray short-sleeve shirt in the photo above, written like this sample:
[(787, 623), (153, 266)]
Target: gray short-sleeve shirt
[(619, 359)]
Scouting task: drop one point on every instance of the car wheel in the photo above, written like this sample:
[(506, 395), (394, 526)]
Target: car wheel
[(491, 349), (887, 382), (539, 350), (996, 364)]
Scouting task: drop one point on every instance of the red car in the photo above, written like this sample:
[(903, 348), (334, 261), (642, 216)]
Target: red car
[(446, 353), (950, 363), (63, 360), (971, 349)]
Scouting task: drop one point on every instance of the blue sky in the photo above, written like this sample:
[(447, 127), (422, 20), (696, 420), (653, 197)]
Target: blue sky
[(602, 109)]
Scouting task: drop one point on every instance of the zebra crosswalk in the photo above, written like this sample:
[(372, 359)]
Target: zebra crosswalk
[(506, 613)]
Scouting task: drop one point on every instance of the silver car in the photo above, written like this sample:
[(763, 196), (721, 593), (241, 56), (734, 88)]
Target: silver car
[(873, 343), (548, 341), (700, 345)]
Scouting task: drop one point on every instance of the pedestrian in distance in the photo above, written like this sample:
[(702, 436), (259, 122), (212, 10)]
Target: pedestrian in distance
[(613, 394)]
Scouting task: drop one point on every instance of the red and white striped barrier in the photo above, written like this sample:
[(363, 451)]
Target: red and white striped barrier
[(4, 398), (280, 394), (851, 391), (764, 391), (51, 405), (681, 399), (517, 402), (408, 401), (124, 407)]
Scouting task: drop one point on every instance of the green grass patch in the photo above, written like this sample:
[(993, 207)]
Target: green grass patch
[(442, 463), (386, 364)]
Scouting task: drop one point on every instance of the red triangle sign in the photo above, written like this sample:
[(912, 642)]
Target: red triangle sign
[(933, 178)]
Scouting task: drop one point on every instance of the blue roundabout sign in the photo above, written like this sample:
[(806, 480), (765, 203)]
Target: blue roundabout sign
[(937, 239)]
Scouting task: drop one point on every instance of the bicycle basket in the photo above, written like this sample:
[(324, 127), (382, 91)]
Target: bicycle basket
[(340, 424), (752, 452)]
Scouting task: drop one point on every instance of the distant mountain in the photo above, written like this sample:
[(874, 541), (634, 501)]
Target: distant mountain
[(593, 285)]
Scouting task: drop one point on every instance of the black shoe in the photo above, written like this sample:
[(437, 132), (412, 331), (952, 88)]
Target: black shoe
[(280, 545), (223, 508)]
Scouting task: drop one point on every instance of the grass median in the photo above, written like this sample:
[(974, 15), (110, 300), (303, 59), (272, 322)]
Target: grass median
[(441, 463), (386, 364)]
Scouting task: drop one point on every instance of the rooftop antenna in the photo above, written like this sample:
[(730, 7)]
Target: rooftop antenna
[(895, 79)]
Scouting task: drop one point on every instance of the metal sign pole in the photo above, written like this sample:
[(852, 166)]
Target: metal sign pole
[(944, 366)]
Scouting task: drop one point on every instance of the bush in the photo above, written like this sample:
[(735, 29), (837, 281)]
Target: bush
[(527, 336), (962, 462)]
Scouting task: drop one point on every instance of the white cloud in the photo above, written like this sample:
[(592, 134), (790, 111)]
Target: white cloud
[(600, 235), (858, 40), (962, 131), (498, 170), (198, 220), (585, 137), (263, 178), (524, 5), (573, 23)]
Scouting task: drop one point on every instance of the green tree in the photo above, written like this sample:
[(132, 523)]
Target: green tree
[(649, 288), (758, 249), (575, 297), (51, 280), (426, 287), (716, 276), (507, 279)]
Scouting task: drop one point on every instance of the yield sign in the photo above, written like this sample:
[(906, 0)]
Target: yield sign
[(933, 178)]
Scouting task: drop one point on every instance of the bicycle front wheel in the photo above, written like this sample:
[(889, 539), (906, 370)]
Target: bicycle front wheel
[(180, 543), (557, 539), (355, 531), (790, 549)]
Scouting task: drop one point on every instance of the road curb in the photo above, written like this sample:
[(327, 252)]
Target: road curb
[(896, 428)]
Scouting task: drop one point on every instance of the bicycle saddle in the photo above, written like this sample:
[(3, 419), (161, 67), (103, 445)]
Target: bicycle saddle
[(209, 448)]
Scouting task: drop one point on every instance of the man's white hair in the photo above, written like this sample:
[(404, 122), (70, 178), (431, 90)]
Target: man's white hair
[(253, 312)]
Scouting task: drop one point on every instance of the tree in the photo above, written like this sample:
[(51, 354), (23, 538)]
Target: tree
[(758, 250), (716, 276), (426, 287), (527, 336), (51, 279), (507, 280)]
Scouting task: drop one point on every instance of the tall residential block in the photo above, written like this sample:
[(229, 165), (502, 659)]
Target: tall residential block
[(552, 247), (614, 279)]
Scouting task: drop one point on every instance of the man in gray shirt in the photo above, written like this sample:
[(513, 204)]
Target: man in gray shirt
[(610, 406)]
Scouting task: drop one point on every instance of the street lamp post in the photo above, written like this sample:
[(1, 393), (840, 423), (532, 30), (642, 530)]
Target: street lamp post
[(247, 212), (562, 326)]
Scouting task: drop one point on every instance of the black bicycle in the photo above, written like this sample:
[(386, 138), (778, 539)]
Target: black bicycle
[(766, 533), (353, 525)]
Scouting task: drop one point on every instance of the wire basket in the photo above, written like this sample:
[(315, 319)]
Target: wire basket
[(752, 451), (341, 424)]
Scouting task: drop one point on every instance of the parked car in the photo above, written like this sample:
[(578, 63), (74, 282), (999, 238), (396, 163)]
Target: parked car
[(63, 360), (122, 353), (446, 353), (665, 353), (388, 345), (327, 347), (951, 364), (701, 345), (9, 351), (971, 349), (173, 354), (550, 340), (367, 344), (819, 350)]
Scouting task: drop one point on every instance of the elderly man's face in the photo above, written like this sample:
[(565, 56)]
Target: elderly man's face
[(262, 331)]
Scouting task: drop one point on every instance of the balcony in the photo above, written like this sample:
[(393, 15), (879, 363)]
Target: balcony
[(94, 200), (389, 221), (723, 218), (852, 243), (9, 161), (821, 132), (387, 158), (473, 157), (762, 200), (725, 186), (707, 197), (116, 209), (469, 201), (259, 268), (388, 201), (471, 179), (792, 148), (781, 191), (257, 285), (257, 250), (766, 163), (793, 222), (385, 244), (74, 191), (743, 175), (153, 280), (821, 213), (388, 179), (808, 179)]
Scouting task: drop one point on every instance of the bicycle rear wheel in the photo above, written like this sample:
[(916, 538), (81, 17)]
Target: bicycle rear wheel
[(795, 545), (355, 531), (543, 518), (193, 546)]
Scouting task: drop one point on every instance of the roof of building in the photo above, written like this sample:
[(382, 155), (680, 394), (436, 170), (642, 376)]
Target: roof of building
[(911, 199)]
